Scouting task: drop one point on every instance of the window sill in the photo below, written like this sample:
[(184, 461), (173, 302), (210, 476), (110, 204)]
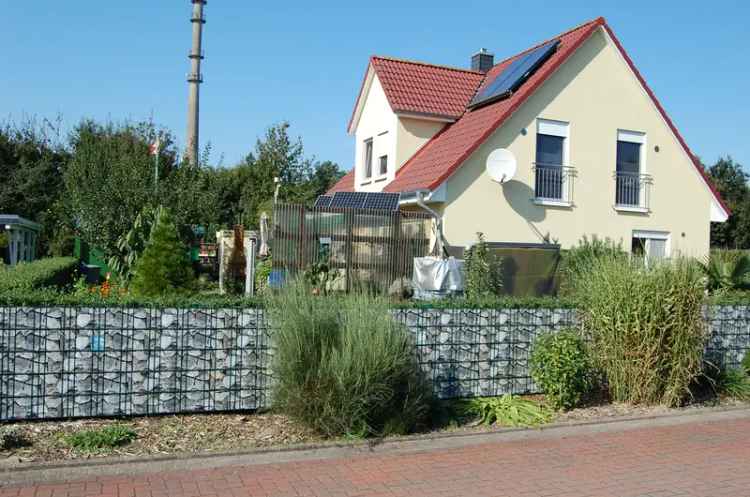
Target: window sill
[(631, 208), (366, 182), (380, 179), (546, 202)]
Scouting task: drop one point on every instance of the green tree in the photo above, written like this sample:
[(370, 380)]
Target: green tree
[(732, 182), (32, 162), (165, 265), (110, 178), (325, 175)]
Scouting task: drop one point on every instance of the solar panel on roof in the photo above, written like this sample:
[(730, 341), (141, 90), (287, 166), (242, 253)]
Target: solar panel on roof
[(515, 74), (323, 201), (382, 201)]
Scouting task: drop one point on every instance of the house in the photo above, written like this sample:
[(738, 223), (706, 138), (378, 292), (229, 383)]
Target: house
[(596, 153), (20, 237)]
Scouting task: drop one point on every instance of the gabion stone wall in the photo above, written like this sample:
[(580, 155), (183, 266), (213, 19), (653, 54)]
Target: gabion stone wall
[(67, 362), (729, 340), (78, 362), (480, 352)]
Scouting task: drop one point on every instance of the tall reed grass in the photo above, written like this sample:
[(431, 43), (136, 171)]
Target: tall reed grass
[(343, 366), (645, 326)]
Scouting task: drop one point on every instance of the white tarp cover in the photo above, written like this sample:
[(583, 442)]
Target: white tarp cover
[(433, 274)]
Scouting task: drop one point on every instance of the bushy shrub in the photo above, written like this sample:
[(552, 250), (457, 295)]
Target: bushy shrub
[(343, 366), (101, 438), (579, 258), (165, 264), (734, 383), (746, 362), (507, 410), (51, 272), (561, 366), (262, 272), (727, 270), (645, 326), (482, 272)]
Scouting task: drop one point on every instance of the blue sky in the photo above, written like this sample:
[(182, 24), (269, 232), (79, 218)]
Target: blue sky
[(303, 61)]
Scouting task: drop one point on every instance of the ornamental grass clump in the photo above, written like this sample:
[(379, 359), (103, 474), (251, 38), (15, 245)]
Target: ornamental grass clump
[(645, 327), (343, 366)]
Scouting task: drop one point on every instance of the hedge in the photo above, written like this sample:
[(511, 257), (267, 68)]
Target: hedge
[(56, 272)]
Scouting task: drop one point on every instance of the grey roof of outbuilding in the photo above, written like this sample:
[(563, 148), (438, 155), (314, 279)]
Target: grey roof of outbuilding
[(13, 220)]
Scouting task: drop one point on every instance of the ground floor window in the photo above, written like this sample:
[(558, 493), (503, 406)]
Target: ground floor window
[(650, 245)]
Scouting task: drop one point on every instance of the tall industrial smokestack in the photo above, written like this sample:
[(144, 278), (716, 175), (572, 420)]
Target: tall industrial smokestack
[(195, 78)]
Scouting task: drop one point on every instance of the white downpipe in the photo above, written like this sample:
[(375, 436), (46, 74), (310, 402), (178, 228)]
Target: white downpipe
[(441, 246)]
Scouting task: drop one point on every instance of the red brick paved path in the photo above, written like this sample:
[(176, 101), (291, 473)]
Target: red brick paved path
[(695, 459)]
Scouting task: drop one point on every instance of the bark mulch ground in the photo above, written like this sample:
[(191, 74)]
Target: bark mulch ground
[(46, 441)]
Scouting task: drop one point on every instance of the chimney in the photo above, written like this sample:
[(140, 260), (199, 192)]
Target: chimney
[(482, 61)]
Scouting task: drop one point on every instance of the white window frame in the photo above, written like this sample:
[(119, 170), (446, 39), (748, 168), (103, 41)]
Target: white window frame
[(629, 136), (367, 143), (554, 127), (649, 235)]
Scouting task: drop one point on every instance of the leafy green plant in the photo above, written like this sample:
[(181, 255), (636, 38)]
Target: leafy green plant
[(734, 383), (579, 258), (727, 270), (645, 327), (165, 265), (746, 362), (482, 273), (343, 366), (262, 272), (103, 438), (561, 366), (130, 245), (50, 272), (508, 410)]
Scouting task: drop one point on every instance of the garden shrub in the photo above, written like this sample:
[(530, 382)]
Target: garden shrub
[(727, 270), (482, 273), (101, 438), (746, 362), (165, 265), (645, 326), (343, 366), (734, 383), (508, 410), (561, 366), (50, 272), (579, 258)]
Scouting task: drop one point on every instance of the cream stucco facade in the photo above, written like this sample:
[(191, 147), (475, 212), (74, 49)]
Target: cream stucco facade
[(596, 93), (598, 98), (394, 136)]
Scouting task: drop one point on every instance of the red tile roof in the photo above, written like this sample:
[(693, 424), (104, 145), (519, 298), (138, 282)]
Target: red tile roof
[(345, 184), (446, 151), (432, 164)]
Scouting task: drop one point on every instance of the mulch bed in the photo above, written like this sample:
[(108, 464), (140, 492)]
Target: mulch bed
[(227, 432)]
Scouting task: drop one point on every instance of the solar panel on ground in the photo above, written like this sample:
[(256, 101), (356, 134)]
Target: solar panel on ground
[(348, 200), (323, 201), (515, 74), (382, 201)]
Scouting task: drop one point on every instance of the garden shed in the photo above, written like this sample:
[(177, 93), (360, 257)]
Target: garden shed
[(18, 239)]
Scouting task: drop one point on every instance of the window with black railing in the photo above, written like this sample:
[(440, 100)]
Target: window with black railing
[(632, 186), (553, 182)]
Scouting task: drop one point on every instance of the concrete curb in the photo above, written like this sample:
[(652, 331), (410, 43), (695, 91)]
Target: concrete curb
[(113, 466)]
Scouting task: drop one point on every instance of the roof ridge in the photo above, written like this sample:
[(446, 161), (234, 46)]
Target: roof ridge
[(599, 20), (426, 64)]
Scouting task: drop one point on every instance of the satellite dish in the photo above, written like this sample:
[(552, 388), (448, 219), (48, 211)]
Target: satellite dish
[(501, 165)]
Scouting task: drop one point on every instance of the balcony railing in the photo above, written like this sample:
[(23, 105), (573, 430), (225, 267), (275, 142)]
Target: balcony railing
[(632, 190), (554, 183)]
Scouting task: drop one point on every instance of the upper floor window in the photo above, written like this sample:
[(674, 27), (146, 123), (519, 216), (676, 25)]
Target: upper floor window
[(630, 177), (383, 170), (368, 158), (552, 174)]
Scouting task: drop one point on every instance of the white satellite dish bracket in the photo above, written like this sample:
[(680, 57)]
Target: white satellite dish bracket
[(501, 165)]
